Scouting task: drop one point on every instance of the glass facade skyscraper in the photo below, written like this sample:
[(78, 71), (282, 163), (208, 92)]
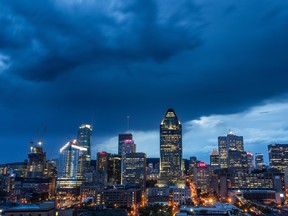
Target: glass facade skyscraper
[(170, 149), (84, 140), (68, 165)]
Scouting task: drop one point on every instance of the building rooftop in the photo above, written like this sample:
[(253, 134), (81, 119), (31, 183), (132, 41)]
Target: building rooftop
[(8, 207), (214, 152)]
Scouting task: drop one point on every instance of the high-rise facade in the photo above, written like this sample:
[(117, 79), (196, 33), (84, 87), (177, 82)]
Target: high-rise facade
[(114, 169), (84, 140), (250, 161), (68, 175), (134, 169), (122, 140), (102, 161), (201, 177), (231, 152), (259, 161), (278, 156), (214, 158), (171, 170), (128, 146), (37, 161)]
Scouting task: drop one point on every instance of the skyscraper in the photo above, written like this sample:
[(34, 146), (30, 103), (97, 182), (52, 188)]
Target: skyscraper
[(202, 177), (124, 138), (259, 161), (114, 169), (214, 158), (102, 161), (37, 161), (170, 149), (278, 156), (134, 169), (68, 176), (84, 140), (250, 161), (126, 146), (231, 152)]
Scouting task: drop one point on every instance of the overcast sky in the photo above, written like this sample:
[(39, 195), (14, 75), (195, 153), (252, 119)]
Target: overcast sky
[(220, 64)]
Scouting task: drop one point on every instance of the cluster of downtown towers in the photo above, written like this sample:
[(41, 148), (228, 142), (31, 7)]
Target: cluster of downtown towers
[(75, 156)]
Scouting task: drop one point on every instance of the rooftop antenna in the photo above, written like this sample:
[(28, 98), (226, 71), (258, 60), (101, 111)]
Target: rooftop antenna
[(128, 123), (230, 132), (31, 143), (91, 137), (41, 140), (92, 123)]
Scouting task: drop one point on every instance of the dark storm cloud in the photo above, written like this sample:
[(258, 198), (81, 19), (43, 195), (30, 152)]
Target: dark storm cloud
[(47, 38), (63, 61)]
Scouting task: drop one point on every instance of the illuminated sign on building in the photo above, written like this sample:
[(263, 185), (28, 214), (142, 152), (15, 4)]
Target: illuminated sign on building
[(201, 165)]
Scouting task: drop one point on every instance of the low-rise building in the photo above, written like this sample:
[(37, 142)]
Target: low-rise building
[(120, 196), (166, 195)]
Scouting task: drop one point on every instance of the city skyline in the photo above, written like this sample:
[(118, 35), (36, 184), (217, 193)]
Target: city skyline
[(220, 65), (202, 155)]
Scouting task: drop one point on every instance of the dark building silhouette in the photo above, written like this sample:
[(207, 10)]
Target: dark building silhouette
[(123, 138)]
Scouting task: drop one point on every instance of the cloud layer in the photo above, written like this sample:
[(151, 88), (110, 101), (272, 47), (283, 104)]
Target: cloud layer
[(49, 38), (260, 125), (68, 62)]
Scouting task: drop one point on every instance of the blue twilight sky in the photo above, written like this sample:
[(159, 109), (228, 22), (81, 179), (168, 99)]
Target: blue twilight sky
[(220, 64)]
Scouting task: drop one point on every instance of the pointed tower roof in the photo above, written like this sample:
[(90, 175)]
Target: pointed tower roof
[(170, 118)]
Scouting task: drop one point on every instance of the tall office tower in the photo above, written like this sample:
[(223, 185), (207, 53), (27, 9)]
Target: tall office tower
[(123, 138), (128, 146), (185, 165), (114, 169), (84, 140), (259, 161), (231, 151), (134, 169), (202, 177), (102, 161), (37, 161), (237, 160), (68, 165), (250, 161), (278, 156), (214, 158), (192, 163), (171, 169)]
